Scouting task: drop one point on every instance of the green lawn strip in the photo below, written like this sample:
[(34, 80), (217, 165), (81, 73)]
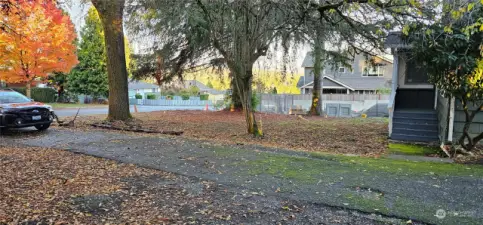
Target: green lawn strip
[(354, 176), (300, 169), (309, 169), (404, 166), (405, 207), (410, 149)]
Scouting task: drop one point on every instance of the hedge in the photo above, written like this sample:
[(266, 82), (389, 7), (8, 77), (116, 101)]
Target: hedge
[(138, 96), (39, 94), (204, 97), (151, 96), (185, 96)]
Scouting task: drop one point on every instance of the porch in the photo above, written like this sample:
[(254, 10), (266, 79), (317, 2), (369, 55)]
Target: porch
[(412, 105)]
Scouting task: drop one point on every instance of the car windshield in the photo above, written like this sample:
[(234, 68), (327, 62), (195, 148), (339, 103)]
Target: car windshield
[(12, 97)]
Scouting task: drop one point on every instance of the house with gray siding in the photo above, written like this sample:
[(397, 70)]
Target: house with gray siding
[(142, 88), (363, 76), (417, 111)]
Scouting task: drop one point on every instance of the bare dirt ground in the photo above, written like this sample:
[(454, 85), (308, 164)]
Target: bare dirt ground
[(334, 135)]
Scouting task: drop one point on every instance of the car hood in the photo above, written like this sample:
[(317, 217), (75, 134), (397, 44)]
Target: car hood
[(25, 105)]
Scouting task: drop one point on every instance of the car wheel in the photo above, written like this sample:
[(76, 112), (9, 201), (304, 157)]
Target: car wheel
[(42, 127)]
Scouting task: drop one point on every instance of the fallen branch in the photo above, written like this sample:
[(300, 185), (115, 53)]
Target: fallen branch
[(446, 149), (138, 130), (70, 123), (302, 118)]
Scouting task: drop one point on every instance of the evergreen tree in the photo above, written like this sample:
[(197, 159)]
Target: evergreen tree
[(90, 75), (209, 84)]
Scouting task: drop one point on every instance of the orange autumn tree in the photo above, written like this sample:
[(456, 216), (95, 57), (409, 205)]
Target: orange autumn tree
[(39, 40)]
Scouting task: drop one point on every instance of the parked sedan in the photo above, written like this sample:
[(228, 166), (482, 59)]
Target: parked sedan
[(18, 111)]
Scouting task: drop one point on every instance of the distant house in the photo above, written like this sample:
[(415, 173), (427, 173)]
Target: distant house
[(139, 87), (363, 77), (203, 88), (417, 112), (35, 83)]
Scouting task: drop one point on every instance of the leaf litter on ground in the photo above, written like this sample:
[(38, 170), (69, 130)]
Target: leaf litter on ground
[(359, 136)]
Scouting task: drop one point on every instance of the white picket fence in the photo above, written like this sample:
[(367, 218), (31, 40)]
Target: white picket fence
[(162, 102), (176, 101)]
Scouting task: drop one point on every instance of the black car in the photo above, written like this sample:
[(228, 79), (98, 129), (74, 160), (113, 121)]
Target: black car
[(18, 111)]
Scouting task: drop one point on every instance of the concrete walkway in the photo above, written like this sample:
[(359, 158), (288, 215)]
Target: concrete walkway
[(436, 193)]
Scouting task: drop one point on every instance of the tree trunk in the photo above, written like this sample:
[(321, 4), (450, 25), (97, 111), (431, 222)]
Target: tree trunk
[(235, 95), (60, 94), (28, 89), (111, 14), (471, 142), (316, 106), (244, 85)]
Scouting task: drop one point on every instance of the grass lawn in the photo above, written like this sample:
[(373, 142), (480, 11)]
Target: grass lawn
[(335, 135), (74, 105), (410, 149)]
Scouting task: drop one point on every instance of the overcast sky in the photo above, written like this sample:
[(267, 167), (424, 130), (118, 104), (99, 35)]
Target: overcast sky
[(78, 12)]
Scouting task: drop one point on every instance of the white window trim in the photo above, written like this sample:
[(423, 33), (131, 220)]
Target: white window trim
[(380, 71), (339, 70)]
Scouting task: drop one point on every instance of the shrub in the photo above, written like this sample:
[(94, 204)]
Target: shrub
[(169, 97), (193, 90), (138, 96), (151, 96), (170, 93), (204, 96), (39, 94), (185, 96)]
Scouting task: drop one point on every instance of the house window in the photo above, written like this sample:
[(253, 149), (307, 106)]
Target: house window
[(373, 71), (416, 73), (341, 69)]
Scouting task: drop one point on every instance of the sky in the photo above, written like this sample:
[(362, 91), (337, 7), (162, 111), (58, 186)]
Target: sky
[(274, 61)]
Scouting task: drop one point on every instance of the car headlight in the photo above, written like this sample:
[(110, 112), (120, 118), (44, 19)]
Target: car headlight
[(49, 107)]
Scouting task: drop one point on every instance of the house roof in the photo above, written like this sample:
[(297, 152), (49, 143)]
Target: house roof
[(202, 87), (365, 83), (396, 40), (301, 82), (352, 83), (141, 85)]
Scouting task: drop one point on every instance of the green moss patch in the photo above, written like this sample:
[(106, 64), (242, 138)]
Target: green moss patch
[(409, 149), (403, 166), (374, 203), (224, 152), (300, 169)]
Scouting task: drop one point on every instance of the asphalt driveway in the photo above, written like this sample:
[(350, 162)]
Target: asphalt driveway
[(435, 193), (103, 110)]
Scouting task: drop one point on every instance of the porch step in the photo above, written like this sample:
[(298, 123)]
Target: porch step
[(404, 137), (415, 125), (416, 114), (420, 132), (411, 120)]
